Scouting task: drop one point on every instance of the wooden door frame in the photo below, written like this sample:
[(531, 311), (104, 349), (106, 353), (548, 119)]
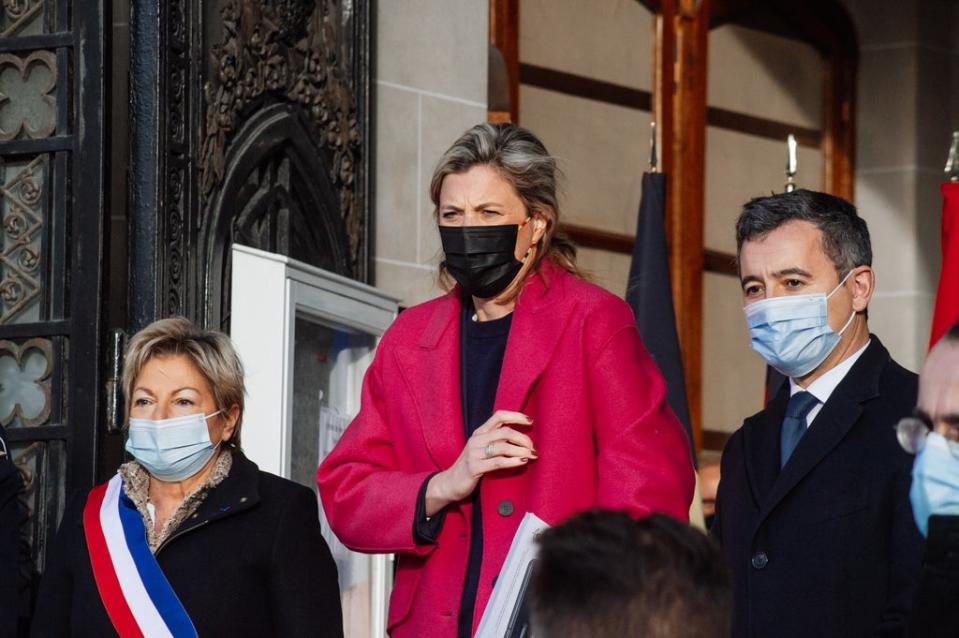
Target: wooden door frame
[(680, 110)]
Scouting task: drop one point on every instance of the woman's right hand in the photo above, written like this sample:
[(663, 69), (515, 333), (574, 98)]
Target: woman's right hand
[(493, 446)]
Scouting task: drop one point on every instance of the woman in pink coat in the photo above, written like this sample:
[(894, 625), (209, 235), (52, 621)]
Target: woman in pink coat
[(524, 389)]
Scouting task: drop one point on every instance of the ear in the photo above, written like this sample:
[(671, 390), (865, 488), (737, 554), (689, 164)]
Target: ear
[(863, 281), (539, 224), (230, 416)]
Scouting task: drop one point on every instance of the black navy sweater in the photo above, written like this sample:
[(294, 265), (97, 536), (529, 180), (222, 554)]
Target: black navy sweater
[(482, 347)]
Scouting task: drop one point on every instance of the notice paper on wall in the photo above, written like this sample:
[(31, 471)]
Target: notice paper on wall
[(506, 614), (333, 424)]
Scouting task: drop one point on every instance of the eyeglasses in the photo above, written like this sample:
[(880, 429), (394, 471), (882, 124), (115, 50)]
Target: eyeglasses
[(912, 432)]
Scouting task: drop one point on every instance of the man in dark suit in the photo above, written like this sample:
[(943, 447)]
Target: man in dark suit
[(9, 535), (813, 508)]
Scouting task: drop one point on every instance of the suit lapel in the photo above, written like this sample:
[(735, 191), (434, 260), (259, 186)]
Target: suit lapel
[(838, 415), (761, 444), (432, 372), (533, 336)]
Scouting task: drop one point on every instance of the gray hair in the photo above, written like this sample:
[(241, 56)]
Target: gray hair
[(522, 159), (845, 236), (210, 351)]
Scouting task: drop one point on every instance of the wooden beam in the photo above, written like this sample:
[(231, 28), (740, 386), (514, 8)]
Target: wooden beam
[(839, 137), (714, 261), (609, 93), (720, 263), (504, 35), (762, 127), (581, 86), (601, 239), (715, 440), (682, 29)]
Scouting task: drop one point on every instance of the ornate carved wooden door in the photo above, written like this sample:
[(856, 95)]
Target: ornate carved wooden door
[(257, 119)]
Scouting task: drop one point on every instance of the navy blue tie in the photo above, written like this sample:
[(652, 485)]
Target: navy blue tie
[(794, 424)]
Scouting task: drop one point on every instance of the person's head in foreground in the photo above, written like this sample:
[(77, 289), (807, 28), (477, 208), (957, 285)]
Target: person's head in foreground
[(805, 268), (184, 393), (603, 574), (932, 434)]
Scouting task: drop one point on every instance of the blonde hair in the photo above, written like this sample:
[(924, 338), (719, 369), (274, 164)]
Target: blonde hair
[(210, 351), (523, 161)]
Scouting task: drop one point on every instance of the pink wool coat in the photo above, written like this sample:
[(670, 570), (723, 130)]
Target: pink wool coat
[(575, 364)]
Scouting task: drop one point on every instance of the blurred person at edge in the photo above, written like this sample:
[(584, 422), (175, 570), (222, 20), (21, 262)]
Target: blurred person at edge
[(813, 507), (241, 549), (602, 574), (523, 389), (10, 514), (932, 434)]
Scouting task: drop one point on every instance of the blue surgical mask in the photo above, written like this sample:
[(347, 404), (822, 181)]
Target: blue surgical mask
[(935, 481), (792, 332), (171, 449)]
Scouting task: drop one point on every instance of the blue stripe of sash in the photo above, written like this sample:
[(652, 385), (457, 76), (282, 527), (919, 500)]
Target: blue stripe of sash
[(155, 582)]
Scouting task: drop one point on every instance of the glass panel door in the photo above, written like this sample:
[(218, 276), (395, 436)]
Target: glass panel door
[(328, 362)]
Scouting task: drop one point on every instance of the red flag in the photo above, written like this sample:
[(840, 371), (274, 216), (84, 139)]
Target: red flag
[(947, 295)]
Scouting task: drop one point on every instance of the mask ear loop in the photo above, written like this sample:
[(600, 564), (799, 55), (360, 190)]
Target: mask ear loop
[(839, 285), (210, 416), (853, 315)]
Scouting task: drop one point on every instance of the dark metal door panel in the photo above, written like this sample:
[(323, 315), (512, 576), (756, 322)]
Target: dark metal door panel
[(52, 81)]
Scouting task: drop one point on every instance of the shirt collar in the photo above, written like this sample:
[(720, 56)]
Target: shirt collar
[(823, 387)]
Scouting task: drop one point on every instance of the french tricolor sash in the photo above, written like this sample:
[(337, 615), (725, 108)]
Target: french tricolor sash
[(137, 596)]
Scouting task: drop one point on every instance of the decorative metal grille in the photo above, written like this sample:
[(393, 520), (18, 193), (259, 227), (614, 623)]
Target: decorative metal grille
[(27, 106), (41, 465), (21, 17), (21, 212), (25, 371)]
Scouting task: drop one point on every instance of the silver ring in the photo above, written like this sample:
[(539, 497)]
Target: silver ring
[(489, 451)]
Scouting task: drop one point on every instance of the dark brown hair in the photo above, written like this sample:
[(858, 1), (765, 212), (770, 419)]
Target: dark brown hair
[(603, 574)]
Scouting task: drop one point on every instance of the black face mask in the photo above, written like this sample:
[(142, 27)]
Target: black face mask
[(481, 258)]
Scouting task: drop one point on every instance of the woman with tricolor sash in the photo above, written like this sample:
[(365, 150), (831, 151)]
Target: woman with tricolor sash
[(189, 538)]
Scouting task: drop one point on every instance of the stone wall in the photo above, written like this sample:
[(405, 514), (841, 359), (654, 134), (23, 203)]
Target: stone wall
[(906, 110), (431, 59)]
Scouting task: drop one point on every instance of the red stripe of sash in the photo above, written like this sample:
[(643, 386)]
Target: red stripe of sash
[(103, 571)]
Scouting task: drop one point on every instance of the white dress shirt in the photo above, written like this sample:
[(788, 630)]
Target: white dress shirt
[(822, 387)]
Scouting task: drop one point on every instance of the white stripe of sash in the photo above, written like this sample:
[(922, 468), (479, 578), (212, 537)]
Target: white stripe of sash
[(142, 607)]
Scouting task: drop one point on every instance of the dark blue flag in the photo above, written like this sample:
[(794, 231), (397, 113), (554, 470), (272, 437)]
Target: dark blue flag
[(649, 293)]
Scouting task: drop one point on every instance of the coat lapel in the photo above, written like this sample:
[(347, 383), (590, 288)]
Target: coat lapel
[(533, 336), (432, 367), (432, 372), (839, 414), (761, 444)]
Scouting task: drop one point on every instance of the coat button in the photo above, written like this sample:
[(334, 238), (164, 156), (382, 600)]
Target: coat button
[(760, 560), (505, 507)]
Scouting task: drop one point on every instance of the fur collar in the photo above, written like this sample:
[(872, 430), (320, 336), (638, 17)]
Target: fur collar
[(136, 485)]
